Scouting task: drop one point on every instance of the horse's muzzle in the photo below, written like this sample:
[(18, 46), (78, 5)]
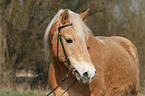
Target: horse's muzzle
[(85, 78)]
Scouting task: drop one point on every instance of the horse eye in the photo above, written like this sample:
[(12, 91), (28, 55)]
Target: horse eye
[(69, 40)]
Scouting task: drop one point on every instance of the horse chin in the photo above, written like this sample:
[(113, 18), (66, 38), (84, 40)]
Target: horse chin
[(84, 80)]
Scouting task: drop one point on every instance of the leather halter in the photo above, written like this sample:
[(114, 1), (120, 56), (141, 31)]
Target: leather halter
[(67, 59), (60, 38)]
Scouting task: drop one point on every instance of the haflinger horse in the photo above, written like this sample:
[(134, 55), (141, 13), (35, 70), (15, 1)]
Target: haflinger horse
[(103, 66)]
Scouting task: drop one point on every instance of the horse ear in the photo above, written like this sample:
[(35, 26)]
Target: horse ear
[(84, 14), (65, 16)]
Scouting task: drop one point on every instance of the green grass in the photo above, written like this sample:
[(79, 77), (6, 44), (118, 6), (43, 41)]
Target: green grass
[(15, 93)]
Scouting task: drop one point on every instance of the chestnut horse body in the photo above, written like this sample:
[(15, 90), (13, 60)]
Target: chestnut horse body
[(104, 66)]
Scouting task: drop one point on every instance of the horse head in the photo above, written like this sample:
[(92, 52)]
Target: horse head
[(73, 40)]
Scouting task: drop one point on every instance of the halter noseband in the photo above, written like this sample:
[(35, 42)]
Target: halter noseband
[(67, 59)]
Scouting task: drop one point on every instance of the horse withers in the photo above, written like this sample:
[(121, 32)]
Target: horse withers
[(103, 66)]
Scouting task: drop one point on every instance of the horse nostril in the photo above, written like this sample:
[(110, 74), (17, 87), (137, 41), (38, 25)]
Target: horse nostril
[(85, 74)]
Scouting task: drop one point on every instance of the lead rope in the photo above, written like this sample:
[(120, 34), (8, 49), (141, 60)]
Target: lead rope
[(69, 87), (59, 83), (68, 61)]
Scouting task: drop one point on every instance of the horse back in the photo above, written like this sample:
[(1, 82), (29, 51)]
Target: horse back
[(124, 43)]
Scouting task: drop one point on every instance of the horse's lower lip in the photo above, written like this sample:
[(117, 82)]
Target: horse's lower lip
[(86, 81), (79, 78)]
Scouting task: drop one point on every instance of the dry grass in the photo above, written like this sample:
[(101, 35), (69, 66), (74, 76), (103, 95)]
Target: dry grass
[(22, 90), (22, 87)]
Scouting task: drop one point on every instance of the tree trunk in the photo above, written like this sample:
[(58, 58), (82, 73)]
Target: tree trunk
[(1, 50)]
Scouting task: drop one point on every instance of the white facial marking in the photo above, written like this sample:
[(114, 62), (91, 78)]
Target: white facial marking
[(83, 67)]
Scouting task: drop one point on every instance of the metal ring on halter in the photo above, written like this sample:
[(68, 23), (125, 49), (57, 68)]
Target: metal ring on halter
[(67, 59)]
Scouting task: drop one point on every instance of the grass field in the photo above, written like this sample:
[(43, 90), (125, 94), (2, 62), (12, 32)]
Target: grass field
[(15, 93)]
